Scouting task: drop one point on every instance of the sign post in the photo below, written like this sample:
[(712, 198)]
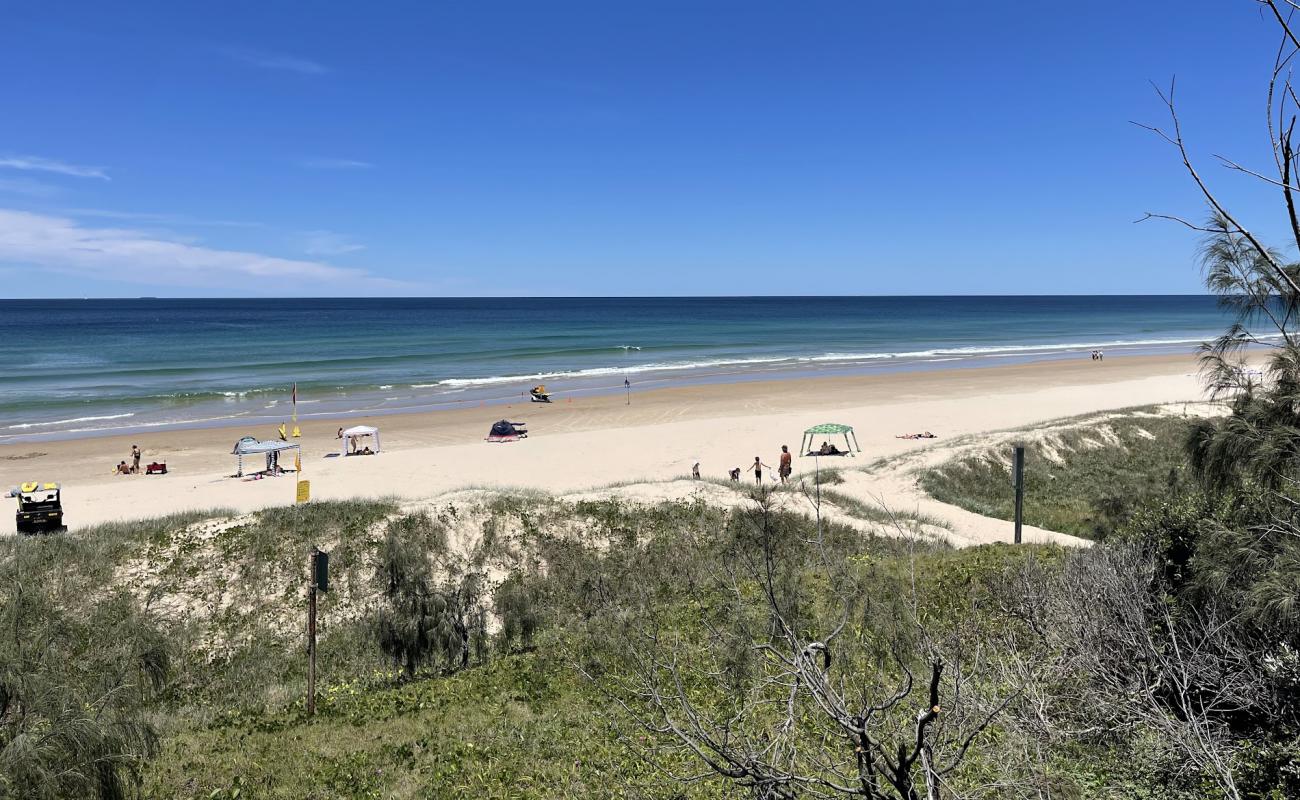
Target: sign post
[(1019, 471), (320, 581)]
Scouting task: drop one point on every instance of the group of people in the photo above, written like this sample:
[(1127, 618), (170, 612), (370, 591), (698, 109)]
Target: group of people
[(784, 467), (1098, 355), (124, 468), (352, 445)]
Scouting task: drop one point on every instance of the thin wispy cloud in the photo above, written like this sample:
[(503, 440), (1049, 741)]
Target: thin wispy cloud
[(158, 219), (62, 245), (328, 243), (335, 163), (29, 188), (39, 164), (276, 61)]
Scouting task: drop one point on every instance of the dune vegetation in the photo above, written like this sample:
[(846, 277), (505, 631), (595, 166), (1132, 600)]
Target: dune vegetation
[(490, 645), (1083, 477)]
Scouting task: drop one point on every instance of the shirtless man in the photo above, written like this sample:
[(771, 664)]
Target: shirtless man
[(784, 467)]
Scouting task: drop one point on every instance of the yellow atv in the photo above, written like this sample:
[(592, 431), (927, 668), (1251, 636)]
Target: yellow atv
[(40, 508)]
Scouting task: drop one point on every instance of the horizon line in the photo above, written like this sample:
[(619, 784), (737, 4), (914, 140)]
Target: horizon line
[(598, 297)]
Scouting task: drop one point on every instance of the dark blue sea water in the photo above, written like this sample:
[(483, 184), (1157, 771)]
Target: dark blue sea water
[(94, 366)]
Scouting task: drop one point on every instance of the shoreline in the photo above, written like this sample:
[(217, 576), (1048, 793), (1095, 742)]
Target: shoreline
[(270, 407), (582, 442)]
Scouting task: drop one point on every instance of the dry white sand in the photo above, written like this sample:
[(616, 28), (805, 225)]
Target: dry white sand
[(583, 445)]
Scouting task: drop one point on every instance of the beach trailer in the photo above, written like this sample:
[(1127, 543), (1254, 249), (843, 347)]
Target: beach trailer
[(249, 446), (354, 440), (40, 508), (832, 430)]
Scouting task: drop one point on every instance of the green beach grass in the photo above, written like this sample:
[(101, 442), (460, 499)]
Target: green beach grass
[(1082, 476)]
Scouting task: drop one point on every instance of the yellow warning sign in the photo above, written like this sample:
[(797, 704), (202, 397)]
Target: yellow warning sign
[(304, 491)]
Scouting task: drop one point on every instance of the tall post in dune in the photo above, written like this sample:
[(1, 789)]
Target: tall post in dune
[(311, 636), (817, 477), (311, 641), (1019, 472)]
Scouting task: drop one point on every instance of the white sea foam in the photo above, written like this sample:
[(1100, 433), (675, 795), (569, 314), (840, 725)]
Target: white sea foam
[(979, 350), (26, 425), (934, 354)]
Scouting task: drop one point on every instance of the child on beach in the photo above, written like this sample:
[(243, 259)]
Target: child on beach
[(757, 467)]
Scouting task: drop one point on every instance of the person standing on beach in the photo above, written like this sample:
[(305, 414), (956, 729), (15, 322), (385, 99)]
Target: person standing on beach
[(135, 458), (757, 466), (784, 466), (695, 471)]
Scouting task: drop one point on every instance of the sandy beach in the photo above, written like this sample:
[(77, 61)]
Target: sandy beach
[(580, 444)]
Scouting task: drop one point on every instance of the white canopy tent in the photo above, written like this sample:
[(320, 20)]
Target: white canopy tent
[(352, 437)]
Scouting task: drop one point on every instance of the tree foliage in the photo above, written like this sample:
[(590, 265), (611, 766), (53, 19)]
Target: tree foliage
[(432, 612), (79, 665)]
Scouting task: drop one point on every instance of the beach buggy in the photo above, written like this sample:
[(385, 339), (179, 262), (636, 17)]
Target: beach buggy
[(40, 508)]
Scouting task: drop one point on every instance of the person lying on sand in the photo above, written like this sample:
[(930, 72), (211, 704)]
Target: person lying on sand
[(926, 435)]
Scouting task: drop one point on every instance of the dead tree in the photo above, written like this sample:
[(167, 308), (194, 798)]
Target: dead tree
[(1119, 659), (1253, 279), (788, 701)]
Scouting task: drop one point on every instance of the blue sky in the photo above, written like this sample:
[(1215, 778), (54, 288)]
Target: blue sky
[(616, 148)]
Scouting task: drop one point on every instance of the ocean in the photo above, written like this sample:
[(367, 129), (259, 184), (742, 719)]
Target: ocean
[(93, 367)]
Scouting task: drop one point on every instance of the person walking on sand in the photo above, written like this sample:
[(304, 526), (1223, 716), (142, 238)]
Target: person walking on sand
[(695, 471), (135, 458), (757, 467), (784, 468)]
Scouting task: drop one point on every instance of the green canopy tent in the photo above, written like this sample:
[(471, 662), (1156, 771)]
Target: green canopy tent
[(829, 429)]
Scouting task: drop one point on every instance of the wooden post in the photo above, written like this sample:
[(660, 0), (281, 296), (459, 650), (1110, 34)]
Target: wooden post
[(311, 638), (1020, 488), (817, 476)]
